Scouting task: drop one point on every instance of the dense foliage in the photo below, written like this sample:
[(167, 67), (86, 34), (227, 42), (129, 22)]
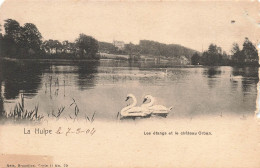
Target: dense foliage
[(215, 56), (87, 46), (150, 48), (26, 42), (170, 50)]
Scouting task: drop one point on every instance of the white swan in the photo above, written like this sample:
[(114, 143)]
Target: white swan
[(155, 109), (132, 110)]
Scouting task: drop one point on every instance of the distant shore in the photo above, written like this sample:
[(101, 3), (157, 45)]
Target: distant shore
[(57, 60), (48, 60)]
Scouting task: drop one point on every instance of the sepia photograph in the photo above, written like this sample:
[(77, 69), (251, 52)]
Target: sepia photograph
[(129, 84)]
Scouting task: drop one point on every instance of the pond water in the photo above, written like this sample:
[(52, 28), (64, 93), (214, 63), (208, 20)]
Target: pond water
[(101, 87)]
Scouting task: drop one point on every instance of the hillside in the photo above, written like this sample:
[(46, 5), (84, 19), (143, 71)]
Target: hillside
[(167, 50), (149, 48)]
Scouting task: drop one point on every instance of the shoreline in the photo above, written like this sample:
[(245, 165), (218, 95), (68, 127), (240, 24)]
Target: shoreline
[(47, 60), (56, 60)]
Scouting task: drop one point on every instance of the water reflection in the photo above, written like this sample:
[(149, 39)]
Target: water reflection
[(21, 77), (87, 73), (212, 73), (139, 64), (230, 89), (248, 77)]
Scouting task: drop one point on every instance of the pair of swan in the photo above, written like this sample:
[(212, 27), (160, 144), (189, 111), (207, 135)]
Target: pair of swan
[(145, 110)]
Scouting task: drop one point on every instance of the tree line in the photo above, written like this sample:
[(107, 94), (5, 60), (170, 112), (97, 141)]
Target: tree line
[(149, 48), (214, 56), (167, 50), (27, 42)]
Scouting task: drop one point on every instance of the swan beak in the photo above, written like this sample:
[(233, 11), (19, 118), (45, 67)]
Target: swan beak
[(144, 100), (126, 98)]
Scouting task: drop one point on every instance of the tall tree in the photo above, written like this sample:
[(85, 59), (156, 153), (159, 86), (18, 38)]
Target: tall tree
[(12, 30), (235, 48), (31, 38), (87, 46), (20, 41), (238, 57), (11, 38), (250, 51), (195, 59), (212, 56)]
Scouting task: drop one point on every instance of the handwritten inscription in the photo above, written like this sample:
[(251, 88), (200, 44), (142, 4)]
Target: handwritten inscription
[(59, 130)]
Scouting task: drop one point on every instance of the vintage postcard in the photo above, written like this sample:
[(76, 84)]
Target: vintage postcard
[(129, 84)]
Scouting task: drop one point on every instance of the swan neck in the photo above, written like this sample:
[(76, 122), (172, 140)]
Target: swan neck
[(151, 102), (124, 110), (134, 101)]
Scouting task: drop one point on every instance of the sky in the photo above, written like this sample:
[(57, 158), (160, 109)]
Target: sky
[(191, 24)]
